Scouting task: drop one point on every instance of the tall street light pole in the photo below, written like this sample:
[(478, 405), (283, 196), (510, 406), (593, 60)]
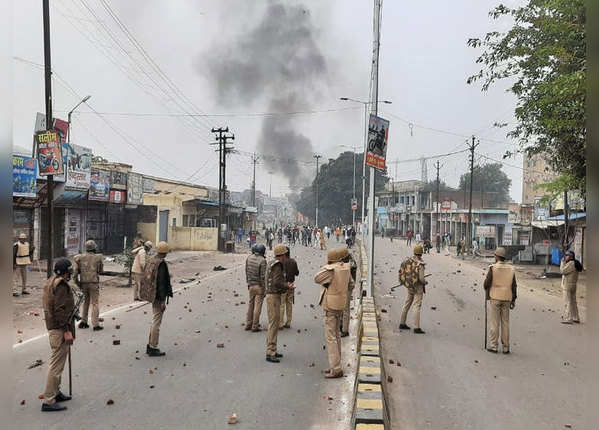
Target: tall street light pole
[(353, 212), (318, 157), (85, 99), (366, 120)]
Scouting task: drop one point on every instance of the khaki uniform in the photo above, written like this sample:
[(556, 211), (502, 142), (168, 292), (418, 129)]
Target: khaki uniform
[(86, 270), (335, 280), (58, 305), (156, 288), (415, 295), (275, 284), (255, 271), (288, 298), (139, 263), (569, 281), (500, 284), (22, 259)]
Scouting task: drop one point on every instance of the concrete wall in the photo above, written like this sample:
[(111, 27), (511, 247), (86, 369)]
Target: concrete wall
[(193, 238)]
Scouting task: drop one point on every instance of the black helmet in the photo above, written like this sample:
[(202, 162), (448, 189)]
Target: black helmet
[(259, 249), (253, 248), (62, 266)]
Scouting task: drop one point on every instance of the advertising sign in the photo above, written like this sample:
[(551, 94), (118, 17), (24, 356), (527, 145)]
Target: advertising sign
[(99, 185), (148, 185), (24, 174), (485, 231), (49, 154), (445, 205), (79, 160), (134, 189), (378, 135), (118, 180), (117, 196), (354, 204)]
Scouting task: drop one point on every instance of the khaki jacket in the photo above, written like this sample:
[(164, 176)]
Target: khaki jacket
[(275, 282), (22, 253), (87, 268), (335, 280), (58, 304), (500, 282), (569, 274), (139, 263)]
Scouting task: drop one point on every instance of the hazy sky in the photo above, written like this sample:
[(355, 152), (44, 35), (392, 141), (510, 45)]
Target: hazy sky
[(424, 64)]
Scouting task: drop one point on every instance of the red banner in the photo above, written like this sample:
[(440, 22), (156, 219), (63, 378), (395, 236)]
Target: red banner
[(49, 153)]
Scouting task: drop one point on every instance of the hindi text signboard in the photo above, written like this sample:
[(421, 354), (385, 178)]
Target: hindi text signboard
[(99, 186), (378, 135), (24, 174), (79, 161), (49, 153)]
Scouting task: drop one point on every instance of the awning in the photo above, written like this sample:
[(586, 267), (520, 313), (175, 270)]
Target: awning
[(556, 221)]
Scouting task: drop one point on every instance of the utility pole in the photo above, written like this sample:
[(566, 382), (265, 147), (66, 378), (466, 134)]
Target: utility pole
[(255, 159), (316, 181), (222, 150), (438, 221), (374, 110), (471, 147), (49, 126), (566, 222)]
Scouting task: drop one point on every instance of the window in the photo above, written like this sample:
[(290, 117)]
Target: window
[(192, 221), (401, 200), (174, 222), (185, 221)]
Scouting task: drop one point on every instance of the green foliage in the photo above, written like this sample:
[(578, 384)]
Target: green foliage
[(488, 178), (556, 188), (544, 57), (432, 186), (335, 182)]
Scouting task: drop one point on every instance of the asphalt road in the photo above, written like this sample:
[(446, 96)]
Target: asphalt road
[(197, 384), (448, 381)]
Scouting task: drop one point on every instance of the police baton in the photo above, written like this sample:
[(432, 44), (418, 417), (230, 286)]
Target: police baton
[(399, 285), (485, 297), (74, 315)]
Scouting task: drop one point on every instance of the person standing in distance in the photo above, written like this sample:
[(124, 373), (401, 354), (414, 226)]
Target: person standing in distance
[(276, 285), (569, 268), (59, 307), (415, 291), (141, 256), (22, 253), (288, 298), (255, 272), (500, 286), (87, 269), (334, 279), (156, 288)]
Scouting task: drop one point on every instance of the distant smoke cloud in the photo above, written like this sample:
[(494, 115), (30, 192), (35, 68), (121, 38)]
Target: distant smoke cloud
[(278, 60)]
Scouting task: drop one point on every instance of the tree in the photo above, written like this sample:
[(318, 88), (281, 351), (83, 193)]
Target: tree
[(544, 56), (488, 178), (432, 186), (335, 190)]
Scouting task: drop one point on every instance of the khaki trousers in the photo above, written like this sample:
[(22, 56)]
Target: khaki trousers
[(252, 318), (58, 357), (21, 271), (91, 294), (346, 312), (287, 300), (157, 313), (333, 339), (570, 305), (273, 308), (499, 313), (415, 297), (137, 277)]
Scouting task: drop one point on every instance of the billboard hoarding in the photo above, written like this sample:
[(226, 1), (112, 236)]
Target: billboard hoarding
[(118, 180), (148, 185), (49, 153), (378, 136), (134, 189), (485, 231), (78, 165), (24, 174), (99, 185), (117, 196)]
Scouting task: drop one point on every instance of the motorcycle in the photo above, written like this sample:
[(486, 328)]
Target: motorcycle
[(46, 161)]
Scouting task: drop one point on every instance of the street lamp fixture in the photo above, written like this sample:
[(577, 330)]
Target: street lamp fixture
[(85, 99)]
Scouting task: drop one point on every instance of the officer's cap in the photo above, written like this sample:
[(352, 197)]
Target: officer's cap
[(90, 245), (163, 248), (280, 249), (500, 252), (418, 249)]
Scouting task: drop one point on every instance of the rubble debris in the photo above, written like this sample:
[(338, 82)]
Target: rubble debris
[(36, 363), (232, 419), (220, 345), (389, 379), (116, 342), (218, 268), (110, 402)]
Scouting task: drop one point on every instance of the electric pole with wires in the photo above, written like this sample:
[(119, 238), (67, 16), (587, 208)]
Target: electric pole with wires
[(318, 157), (437, 202), (223, 150), (472, 146)]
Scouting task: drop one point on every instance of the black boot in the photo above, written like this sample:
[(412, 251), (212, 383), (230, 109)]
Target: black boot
[(272, 359), (83, 324), (278, 355), (98, 328), (404, 327), (53, 407), (154, 352), (344, 334), (62, 398), (419, 331)]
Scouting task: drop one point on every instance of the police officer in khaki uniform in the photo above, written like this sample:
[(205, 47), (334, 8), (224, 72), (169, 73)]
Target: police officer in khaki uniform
[(288, 298), (276, 285), (156, 288), (87, 269), (500, 286), (59, 306), (255, 272), (347, 258), (139, 263), (334, 279), (22, 253), (415, 293)]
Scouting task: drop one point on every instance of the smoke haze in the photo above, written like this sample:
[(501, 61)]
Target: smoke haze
[(280, 62)]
